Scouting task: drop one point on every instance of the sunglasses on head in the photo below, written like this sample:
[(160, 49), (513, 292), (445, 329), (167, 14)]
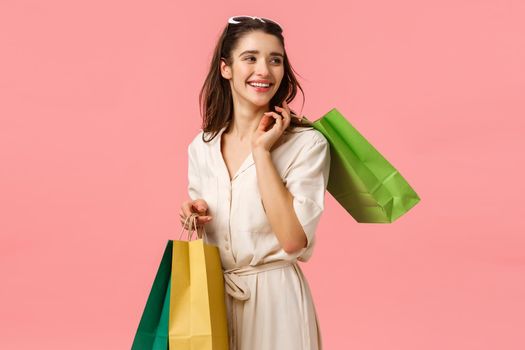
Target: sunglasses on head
[(240, 19)]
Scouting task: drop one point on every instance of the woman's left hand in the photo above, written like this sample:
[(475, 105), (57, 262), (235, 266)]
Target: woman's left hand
[(264, 140)]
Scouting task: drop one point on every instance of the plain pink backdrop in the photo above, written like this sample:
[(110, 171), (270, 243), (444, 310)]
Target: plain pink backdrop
[(98, 102)]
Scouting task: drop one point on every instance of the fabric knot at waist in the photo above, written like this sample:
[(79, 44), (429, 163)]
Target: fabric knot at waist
[(237, 288)]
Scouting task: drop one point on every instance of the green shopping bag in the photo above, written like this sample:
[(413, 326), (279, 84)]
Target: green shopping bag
[(152, 333), (361, 179)]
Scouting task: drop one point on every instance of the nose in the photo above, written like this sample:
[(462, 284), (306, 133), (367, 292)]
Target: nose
[(262, 68)]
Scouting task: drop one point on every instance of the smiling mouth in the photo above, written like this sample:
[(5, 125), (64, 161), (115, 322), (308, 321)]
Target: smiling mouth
[(260, 85)]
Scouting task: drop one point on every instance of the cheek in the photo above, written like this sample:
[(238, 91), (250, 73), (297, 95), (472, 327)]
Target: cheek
[(278, 85), (241, 77), (278, 73), (243, 71)]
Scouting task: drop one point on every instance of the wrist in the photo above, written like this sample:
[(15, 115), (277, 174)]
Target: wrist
[(260, 152)]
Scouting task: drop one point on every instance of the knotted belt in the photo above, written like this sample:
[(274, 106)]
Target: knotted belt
[(239, 290)]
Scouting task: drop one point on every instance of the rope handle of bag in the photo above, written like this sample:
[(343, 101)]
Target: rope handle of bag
[(192, 222)]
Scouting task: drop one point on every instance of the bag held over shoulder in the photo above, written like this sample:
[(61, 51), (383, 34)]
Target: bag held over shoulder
[(361, 179)]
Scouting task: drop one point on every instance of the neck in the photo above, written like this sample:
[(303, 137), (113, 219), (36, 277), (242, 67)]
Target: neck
[(245, 121)]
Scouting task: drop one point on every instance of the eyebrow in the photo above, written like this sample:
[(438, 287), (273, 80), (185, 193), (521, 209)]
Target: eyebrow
[(256, 52)]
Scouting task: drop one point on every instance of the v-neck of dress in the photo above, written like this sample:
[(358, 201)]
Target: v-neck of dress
[(248, 161)]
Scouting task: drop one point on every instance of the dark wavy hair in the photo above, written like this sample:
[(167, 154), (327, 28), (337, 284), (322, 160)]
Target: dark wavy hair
[(215, 97)]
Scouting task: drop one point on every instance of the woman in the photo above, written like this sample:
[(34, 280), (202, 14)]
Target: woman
[(257, 181)]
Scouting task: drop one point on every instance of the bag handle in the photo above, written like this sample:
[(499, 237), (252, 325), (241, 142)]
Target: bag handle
[(192, 221)]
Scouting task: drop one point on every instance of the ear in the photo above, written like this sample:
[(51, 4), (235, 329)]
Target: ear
[(226, 71)]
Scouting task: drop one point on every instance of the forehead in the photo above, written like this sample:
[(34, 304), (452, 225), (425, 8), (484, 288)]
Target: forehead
[(259, 41)]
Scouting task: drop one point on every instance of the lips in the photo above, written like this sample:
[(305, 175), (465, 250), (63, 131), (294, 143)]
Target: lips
[(260, 81), (260, 88)]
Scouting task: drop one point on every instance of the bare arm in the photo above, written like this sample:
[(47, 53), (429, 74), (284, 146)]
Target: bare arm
[(277, 200), (278, 203)]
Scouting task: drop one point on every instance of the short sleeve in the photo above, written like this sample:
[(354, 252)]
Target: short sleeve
[(194, 180), (306, 180)]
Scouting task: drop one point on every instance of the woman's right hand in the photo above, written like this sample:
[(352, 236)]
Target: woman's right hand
[(198, 206)]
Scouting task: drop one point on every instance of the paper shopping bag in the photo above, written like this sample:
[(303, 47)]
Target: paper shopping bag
[(152, 333), (197, 301), (361, 179)]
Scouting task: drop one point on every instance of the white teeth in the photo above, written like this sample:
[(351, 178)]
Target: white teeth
[(260, 84)]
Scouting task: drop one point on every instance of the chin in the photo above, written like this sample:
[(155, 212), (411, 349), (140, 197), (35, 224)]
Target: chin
[(260, 102)]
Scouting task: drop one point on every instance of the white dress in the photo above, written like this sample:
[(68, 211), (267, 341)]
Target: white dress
[(269, 306)]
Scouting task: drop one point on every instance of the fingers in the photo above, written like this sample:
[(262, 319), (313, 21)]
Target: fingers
[(185, 209), (189, 207), (286, 114), (278, 119), (201, 218), (198, 206), (264, 123)]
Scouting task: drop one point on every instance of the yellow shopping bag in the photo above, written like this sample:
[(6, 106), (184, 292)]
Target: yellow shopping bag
[(197, 301)]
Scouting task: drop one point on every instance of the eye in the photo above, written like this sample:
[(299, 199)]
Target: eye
[(277, 60)]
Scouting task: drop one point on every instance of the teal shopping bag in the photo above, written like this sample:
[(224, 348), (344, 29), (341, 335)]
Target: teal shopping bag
[(361, 179), (152, 332)]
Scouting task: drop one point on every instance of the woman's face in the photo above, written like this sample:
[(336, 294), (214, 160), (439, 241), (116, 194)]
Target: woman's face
[(257, 57)]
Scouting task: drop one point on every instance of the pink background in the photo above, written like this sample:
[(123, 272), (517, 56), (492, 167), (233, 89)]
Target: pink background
[(98, 101)]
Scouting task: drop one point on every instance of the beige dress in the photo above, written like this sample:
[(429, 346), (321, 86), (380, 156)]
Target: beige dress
[(268, 300)]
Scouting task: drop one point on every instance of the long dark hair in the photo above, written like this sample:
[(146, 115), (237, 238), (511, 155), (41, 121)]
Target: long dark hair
[(215, 98)]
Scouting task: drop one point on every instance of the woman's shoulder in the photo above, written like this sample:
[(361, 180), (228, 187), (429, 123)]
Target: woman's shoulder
[(204, 142), (197, 143), (203, 139), (197, 139), (306, 135)]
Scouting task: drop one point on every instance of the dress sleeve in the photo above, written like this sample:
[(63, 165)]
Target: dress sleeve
[(306, 180), (194, 180)]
